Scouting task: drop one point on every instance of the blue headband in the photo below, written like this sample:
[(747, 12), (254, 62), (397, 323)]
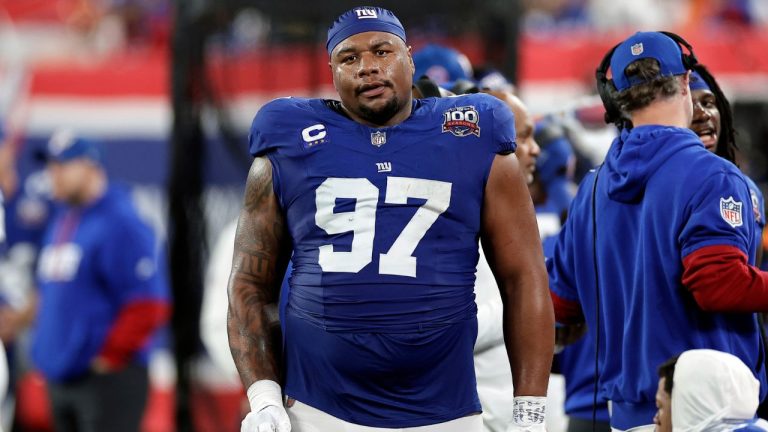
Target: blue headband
[(363, 19), (697, 82)]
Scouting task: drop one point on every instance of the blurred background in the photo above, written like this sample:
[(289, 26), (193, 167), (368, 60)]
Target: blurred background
[(170, 88)]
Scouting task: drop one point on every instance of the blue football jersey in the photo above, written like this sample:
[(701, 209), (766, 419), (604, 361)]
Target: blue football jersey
[(380, 322), (758, 210)]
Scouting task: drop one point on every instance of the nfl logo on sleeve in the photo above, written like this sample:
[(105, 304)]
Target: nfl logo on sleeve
[(730, 211)]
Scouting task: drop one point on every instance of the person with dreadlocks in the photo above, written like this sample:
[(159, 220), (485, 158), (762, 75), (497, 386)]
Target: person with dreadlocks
[(713, 123)]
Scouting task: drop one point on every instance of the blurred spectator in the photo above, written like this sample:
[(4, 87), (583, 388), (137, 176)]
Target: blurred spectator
[(108, 25), (554, 14), (553, 186), (637, 14), (707, 390), (442, 65), (213, 316), (494, 376), (552, 191), (3, 363), (102, 295), (492, 79), (17, 256)]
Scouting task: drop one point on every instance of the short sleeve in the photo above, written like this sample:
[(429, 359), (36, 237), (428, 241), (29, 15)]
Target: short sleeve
[(719, 214), (268, 120), (503, 127)]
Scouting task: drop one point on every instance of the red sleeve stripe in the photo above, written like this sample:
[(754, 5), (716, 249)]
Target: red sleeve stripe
[(566, 311), (721, 280), (132, 329)]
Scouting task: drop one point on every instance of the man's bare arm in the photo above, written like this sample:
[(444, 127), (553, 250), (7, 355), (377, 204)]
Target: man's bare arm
[(260, 256), (513, 248)]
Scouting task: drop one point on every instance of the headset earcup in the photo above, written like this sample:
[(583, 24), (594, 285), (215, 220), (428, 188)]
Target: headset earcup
[(689, 60), (607, 90)]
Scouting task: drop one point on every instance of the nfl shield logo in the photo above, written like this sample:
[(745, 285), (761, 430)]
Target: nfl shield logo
[(378, 138), (730, 211), (637, 49)]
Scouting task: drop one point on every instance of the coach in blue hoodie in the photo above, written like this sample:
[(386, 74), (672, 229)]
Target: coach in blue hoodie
[(656, 254), (102, 295)]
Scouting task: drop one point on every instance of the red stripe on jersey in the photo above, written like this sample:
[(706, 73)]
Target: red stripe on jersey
[(566, 311), (721, 280), (132, 329)]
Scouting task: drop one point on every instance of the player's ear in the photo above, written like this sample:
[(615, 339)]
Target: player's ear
[(685, 82)]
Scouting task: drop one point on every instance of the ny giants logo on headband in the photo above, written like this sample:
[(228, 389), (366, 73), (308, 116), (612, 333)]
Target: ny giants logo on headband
[(730, 211), (365, 13)]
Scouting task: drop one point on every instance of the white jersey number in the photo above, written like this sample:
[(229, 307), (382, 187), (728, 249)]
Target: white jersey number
[(362, 221)]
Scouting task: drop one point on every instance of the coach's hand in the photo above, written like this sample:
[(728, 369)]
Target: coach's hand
[(267, 412), (528, 414)]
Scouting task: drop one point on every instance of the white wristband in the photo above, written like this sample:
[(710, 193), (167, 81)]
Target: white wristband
[(264, 393), (529, 410)]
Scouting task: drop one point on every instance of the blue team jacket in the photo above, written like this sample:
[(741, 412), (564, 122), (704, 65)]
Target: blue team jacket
[(660, 195)]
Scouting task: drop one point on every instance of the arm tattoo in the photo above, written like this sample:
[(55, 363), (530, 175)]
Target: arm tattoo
[(258, 264)]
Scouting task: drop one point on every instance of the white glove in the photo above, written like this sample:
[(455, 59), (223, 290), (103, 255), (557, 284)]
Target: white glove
[(528, 414), (267, 412)]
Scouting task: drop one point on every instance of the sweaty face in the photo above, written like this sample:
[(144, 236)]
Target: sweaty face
[(663, 417), (528, 149), (373, 73), (706, 118)]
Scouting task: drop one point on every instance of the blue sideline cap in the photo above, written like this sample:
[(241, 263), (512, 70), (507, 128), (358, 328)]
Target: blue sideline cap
[(441, 64), (65, 146), (641, 45), (363, 19)]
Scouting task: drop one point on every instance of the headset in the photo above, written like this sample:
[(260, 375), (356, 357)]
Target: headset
[(607, 89), (427, 87)]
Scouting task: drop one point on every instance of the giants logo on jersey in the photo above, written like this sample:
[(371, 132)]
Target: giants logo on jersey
[(462, 121), (59, 262)]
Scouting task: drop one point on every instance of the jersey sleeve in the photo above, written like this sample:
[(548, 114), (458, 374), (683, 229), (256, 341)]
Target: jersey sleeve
[(561, 267), (270, 119), (503, 126), (719, 214)]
